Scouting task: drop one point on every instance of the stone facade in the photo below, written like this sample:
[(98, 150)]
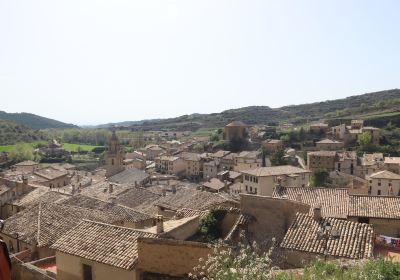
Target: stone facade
[(114, 157)]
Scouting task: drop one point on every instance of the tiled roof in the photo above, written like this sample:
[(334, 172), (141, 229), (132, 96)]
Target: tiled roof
[(50, 173), (104, 243), (187, 212), (333, 201), (219, 154), (392, 160), (347, 155), (129, 176), (137, 196), (275, 171), (26, 163), (192, 198), (37, 195), (101, 190), (328, 141), (248, 154), (46, 222), (354, 239), (323, 153), (371, 159), (191, 156), (385, 207), (236, 123), (214, 184), (4, 189), (385, 175), (125, 213)]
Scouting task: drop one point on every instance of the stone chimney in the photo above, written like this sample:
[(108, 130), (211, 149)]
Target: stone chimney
[(164, 192), (110, 188), (159, 224), (299, 197), (25, 180), (174, 189), (317, 213)]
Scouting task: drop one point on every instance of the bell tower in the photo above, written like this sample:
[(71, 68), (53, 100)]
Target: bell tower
[(113, 156)]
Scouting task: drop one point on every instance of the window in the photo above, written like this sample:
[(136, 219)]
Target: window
[(247, 188), (379, 192), (87, 272), (255, 190), (112, 161), (251, 189)]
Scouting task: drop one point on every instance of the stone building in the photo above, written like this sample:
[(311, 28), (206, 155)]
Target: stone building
[(114, 156), (384, 183), (392, 164), (273, 145), (235, 130), (329, 145), (322, 159), (99, 251), (263, 180)]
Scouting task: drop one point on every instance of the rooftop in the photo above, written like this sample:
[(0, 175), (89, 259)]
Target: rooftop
[(392, 160), (26, 163), (125, 213), (214, 184), (323, 153), (50, 173), (130, 176), (104, 243), (385, 175), (46, 222), (333, 201), (275, 171), (354, 240), (383, 207), (236, 123)]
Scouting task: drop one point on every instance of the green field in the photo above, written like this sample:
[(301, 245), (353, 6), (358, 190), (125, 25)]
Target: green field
[(74, 147), (9, 148), (68, 147)]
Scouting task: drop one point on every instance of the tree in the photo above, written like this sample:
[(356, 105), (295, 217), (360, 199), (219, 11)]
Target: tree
[(21, 152), (246, 261), (210, 225), (237, 144), (320, 177), (277, 158), (364, 142)]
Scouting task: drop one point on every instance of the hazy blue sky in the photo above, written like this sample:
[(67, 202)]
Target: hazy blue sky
[(89, 62)]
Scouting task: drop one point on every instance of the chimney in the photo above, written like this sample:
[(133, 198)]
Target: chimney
[(299, 197), (110, 188), (317, 213), (164, 192), (159, 224), (25, 180), (135, 183), (174, 189), (225, 183)]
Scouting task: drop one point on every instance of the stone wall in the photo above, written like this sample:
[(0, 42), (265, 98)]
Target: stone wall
[(271, 217), (169, 257)]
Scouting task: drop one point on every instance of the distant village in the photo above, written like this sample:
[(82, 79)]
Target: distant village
[(140, 214)]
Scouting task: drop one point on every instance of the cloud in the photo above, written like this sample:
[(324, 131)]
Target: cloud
[(172, 9)]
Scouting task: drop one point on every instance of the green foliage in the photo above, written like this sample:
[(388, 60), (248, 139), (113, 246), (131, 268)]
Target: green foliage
[(372, 270), (12, 133), (364, 143), (277, 158), (320, 177), (210, 225), (21, 152), (246, 262), (33, 121)]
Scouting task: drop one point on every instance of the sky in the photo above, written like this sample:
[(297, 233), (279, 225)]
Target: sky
[(94, 62)]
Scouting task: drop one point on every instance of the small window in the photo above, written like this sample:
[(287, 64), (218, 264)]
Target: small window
[(379, 192), (87, 272)]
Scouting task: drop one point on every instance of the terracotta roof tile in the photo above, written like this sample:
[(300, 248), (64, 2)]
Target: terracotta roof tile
[(354, 240), (104, 243)]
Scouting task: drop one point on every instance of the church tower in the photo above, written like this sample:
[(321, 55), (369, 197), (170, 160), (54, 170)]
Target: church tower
[(113, 156)]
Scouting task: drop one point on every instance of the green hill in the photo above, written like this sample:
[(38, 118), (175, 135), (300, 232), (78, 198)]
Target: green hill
[(11, 133), (367, 106), (33, 121)]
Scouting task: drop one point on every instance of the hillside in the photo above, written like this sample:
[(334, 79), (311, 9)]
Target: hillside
[(11, 133), (33, 121), (369, 106)]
